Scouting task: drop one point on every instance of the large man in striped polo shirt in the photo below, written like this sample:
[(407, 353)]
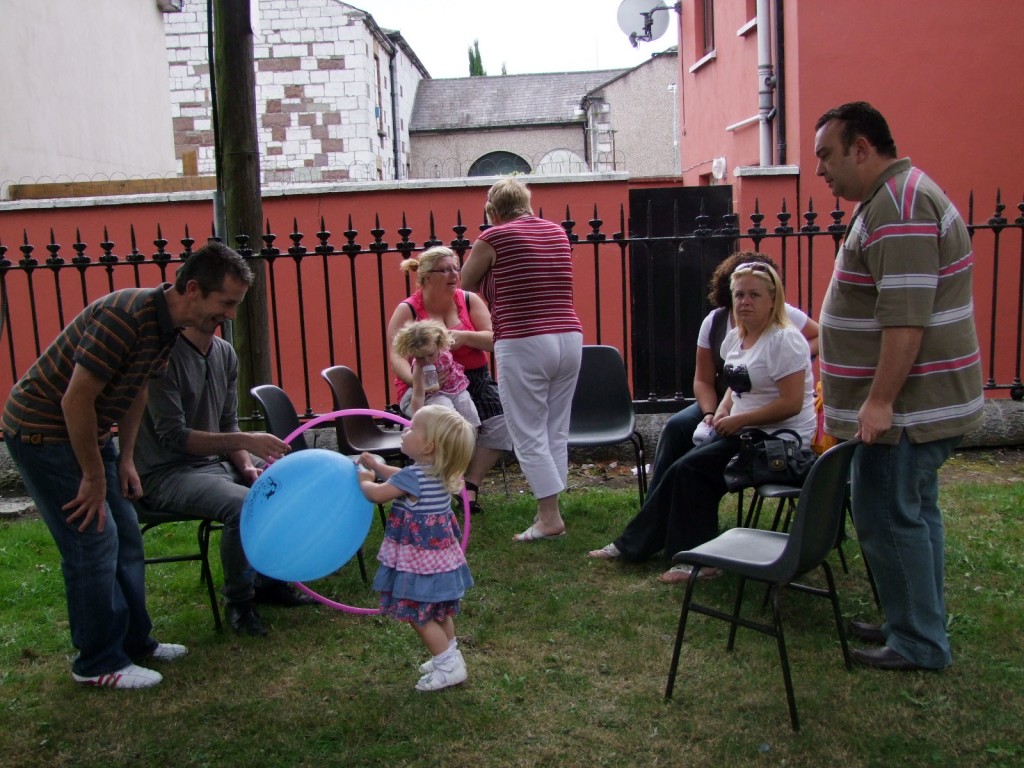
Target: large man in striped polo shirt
[(900, 369), (57, 424)]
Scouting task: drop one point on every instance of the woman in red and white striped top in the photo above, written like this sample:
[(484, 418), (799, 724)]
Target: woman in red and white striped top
[(523, 266)]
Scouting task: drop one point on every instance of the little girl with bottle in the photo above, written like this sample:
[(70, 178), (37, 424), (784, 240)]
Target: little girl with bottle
[(426, 343)]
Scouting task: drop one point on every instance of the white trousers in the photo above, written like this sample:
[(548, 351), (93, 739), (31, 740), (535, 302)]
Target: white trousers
[(536, 380)]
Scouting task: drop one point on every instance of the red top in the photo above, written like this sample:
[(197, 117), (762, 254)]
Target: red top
[(468, 357), (529, 286)]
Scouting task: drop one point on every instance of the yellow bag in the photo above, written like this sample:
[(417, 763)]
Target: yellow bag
[(822, 440)]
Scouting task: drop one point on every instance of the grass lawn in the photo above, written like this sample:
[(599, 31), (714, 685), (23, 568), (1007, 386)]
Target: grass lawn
[(567, 659)]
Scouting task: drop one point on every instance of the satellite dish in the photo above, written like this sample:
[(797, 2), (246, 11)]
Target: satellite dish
[(638, 21)]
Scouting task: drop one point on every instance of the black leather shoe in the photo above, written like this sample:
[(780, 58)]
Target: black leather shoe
[(884, 658), (866, 632), (458, 507), (242, 618), (281, 593)]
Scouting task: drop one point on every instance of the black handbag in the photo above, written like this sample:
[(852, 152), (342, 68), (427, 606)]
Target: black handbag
[(766, 457)]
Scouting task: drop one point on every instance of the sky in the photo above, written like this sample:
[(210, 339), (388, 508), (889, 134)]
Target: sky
[(527, 36)]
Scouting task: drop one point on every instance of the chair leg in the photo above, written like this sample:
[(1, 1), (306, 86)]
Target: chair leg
[(504, 473), (871, 580), (867, 568), (641, 469), (740, 587), (783, 656), (362, 564), (680, 631), (205, 574), (842, 555), (790, 507), (837, 612), (754, 511)]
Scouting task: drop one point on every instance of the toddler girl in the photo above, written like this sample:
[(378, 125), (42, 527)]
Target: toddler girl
[(423, 572), (427, 342)]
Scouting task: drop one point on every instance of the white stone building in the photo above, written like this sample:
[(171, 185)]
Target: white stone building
[(334, 92)]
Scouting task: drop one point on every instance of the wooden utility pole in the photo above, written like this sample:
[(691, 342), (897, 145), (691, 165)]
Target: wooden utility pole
[(239, 175)]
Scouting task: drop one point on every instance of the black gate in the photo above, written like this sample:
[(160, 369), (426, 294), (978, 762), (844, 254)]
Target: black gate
[(670, 266)]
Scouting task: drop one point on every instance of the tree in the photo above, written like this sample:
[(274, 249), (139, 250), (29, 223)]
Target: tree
[(476, 64)]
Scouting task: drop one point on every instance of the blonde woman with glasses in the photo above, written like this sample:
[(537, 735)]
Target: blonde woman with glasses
[(767, 370), (439, 296)]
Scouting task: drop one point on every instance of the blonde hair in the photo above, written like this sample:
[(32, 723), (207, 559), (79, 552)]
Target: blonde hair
[(415, 339), (506, 200), (426, 261), (767, 274), (454, 440)]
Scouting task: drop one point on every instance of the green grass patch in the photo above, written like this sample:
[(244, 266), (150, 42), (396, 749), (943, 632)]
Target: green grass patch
[(567, 658)]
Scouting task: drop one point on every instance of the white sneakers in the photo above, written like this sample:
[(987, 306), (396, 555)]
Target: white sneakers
[(446, 671), (134, 676)]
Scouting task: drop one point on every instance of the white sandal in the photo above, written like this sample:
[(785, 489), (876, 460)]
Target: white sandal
[(680, 574), (607, 552)]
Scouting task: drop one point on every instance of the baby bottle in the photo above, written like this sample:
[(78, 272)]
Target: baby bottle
[(430, 379)]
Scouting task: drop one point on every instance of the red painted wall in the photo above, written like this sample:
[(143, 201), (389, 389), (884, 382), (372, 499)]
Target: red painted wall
[(367, 209), (945, 75)]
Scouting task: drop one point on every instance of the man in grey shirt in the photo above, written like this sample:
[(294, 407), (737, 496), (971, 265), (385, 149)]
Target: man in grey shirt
[(193, 459)]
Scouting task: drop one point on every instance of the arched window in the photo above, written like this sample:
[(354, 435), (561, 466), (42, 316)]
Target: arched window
[(498, 164), (559, 162)]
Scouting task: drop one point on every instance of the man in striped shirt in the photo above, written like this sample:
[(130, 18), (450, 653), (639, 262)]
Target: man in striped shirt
[(900, 369), (57, 423)]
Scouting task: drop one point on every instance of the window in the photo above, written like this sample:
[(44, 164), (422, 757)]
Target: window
[(498, 164), (705, 10)]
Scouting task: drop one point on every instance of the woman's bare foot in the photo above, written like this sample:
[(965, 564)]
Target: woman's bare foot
[(607, 552), (680, 574)]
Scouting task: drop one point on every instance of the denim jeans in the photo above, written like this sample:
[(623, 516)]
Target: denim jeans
[(104, 578), (899, 523)]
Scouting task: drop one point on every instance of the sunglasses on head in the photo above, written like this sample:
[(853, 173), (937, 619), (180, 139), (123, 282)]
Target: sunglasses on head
[(752, 266)]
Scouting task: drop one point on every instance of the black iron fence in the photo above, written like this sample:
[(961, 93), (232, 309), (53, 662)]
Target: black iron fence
[(330, 298)]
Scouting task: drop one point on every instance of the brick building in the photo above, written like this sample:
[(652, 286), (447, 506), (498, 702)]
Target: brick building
[(334, 92)]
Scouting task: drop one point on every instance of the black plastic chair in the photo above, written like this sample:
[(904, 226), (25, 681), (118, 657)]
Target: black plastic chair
[(282, 419), (602, 408), (787, 496), (150, 518), (280, 415), (358, 433), (777, 559)]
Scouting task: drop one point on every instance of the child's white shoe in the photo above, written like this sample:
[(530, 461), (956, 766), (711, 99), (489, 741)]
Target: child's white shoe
[(449, 670)]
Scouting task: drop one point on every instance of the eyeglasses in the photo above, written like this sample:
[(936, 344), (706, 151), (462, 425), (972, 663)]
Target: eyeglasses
[(445, 271)]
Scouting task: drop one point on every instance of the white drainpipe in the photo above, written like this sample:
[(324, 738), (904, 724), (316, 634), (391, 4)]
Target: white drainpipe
[(765, 82)]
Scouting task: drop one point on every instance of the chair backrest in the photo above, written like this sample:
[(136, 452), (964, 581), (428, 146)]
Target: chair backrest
[(281, 416), (820, 509), (355, 433), (602, 403)]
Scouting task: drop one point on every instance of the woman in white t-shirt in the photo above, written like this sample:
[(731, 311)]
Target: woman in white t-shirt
[(768, 363)]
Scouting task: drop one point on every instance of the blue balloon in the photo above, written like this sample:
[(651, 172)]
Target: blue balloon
[(305, 516)]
